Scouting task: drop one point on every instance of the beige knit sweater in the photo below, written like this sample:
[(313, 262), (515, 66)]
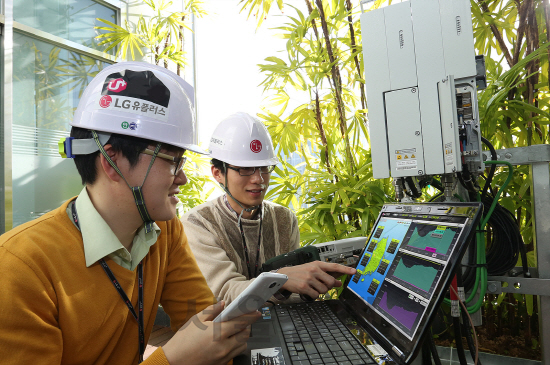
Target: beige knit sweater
[(213, 234)]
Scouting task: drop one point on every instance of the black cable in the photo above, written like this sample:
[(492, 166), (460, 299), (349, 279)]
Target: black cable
[(433, 350), (491, 190), (436, 196), (426, 356), (492, 168), (469, 274), (411, 187), (466, 326), (458, 340), (506, 244), (437, 184), (469, 338)]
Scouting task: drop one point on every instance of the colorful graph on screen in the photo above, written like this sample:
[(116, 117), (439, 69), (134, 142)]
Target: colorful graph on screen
[(404, 310), (430, 239), (377, 257), (416, 273)]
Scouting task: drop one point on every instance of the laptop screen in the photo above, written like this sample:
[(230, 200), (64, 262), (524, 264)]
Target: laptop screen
[(406, 267)]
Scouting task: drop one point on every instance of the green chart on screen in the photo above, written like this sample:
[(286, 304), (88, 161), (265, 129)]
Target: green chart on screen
[(428, 237)]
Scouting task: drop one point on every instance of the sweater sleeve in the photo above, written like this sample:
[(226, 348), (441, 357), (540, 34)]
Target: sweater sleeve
[(28, 315), (220, 272), (185, 291)]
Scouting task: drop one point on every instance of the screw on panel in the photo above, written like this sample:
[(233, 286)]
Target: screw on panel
[(508, 155), (492, 287), (413, 90), (420, 172), (417, 133), (454, 169)]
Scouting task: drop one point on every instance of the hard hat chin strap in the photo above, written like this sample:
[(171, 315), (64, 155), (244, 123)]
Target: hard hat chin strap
[(226, 189), (136, 190)]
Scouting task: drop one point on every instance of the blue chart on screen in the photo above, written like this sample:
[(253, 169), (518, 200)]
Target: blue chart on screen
[(378, 256)]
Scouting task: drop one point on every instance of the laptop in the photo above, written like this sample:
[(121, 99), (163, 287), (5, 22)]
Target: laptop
[(386, 308)]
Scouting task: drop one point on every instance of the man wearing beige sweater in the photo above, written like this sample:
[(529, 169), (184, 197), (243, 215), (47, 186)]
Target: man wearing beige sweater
[(234, 234)]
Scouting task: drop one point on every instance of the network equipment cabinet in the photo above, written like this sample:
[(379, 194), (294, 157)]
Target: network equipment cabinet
[(421, 80)]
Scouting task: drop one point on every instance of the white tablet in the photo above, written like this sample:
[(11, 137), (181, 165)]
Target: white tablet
[(254, 296)]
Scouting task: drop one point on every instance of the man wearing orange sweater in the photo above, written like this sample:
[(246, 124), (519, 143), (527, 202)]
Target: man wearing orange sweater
[(82, 284)]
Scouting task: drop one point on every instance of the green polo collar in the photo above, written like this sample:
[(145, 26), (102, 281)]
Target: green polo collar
[(100, 241)]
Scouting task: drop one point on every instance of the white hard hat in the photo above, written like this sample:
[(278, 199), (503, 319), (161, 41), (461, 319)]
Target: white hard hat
[(140, 100), (242, 140)]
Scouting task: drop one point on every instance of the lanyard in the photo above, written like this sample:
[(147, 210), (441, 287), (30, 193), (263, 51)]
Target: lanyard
[(246, 248), (244, 242), (138, 317)]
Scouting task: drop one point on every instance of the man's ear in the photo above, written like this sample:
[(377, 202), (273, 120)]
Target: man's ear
[(106, 166), (217, 173)]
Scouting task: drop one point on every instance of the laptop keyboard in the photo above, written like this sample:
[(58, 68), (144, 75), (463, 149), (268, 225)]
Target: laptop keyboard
[(314, 335)]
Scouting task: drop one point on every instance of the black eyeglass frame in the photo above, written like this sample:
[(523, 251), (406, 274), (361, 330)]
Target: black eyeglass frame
[(178, 162), (270, 169)]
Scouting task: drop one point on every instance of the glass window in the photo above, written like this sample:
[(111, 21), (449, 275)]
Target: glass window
[(69, 19), (47, 84)]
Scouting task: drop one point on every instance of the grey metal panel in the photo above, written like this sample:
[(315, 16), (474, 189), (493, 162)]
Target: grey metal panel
[(458, 38), (405, 138), (400, 46), (522, 155), (518, 285), (449, 125), (540, 175), (377, 80), (7, 108), (428, 43)]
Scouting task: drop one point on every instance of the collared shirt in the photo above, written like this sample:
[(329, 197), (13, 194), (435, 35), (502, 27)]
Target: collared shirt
[(100, 240)]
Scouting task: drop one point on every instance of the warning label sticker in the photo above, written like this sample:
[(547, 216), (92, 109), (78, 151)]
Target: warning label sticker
[(403, 152), (406, 164), (449, 155)]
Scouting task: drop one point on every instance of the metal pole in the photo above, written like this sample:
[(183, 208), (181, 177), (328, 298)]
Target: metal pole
[(540, 177)]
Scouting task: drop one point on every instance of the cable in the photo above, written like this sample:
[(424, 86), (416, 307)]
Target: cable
[(458, 340), (433, 198), (476, 359), (481, 263), (492, 169), (426, 356), (433, 350), (466, 324), (506, 244)]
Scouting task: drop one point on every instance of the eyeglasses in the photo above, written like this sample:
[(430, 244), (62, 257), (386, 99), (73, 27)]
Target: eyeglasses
[(247, 171), (177, 162)]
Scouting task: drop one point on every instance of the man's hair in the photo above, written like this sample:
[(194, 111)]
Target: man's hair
[(130, 147), (218, 164)]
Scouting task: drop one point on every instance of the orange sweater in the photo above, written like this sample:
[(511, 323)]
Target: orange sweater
[(54, 310)]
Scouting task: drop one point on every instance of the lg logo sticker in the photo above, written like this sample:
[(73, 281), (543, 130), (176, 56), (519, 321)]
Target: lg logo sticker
[(105, 101), (255, 146), (117, 85)]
